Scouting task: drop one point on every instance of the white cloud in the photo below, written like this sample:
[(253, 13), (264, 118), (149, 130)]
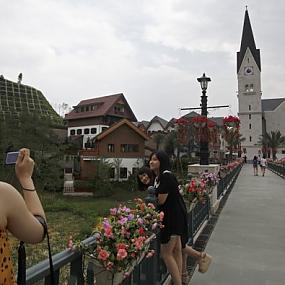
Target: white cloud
[(153, 51)]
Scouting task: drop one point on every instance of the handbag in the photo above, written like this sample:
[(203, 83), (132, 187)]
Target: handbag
[(21, 277)]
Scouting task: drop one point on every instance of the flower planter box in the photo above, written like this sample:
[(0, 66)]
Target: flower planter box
[(106, 277), (103, 276)]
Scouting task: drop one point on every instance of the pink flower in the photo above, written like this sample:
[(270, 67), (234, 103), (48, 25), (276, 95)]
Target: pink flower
[(123, 220), (139, 242), (150, 205), (125, 209), (140, 221), (150, 254), (103, 254), (161, 216), (154, 226), (121, 254), (108, 232), (113, 211), (109, 265)]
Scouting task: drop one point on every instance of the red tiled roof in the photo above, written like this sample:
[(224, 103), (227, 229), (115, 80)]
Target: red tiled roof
[(117, 125), (104, 102)]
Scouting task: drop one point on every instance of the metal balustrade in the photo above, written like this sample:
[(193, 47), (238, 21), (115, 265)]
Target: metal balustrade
[(148, 271), (279, 169)]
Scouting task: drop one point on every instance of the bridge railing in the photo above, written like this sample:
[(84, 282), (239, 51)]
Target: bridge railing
[(148, 271), (277, 168), (226, 182)]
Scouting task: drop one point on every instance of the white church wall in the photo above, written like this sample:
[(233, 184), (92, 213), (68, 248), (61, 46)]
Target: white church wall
[(249, 100), (275, 120)]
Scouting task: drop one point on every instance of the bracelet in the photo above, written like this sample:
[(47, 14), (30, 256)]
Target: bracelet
[(31, 190)]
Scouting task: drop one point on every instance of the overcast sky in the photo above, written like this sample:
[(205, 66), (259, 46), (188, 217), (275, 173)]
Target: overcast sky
[(150, 50)]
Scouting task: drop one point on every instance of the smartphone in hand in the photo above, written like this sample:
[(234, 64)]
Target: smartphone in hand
[(11, 157)]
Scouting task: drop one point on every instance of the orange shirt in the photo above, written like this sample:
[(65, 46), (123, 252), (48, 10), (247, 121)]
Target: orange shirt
[(7, 276)]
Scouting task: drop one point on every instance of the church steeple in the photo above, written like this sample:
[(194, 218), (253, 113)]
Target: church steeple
[(247, 41)]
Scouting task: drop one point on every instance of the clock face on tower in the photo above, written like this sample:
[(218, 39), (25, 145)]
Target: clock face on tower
[(248, 70)]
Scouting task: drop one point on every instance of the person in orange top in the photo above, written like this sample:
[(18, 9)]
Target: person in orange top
[(17, 214)]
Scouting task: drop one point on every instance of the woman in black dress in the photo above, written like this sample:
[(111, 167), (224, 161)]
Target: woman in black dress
[(175, 222)]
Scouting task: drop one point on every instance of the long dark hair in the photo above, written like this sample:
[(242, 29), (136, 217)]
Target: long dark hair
[(163, 159), (145, 170)]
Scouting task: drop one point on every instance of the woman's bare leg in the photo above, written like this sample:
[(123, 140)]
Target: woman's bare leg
[(172, 258), (192, 252)]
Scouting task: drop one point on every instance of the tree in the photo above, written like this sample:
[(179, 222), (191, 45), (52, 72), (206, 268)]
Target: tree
[(271, 141), (234, 140), (158, 138), (117, 162), (47, 149), (171, 143)]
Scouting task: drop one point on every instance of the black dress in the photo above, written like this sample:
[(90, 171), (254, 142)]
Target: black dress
[(175, 214)]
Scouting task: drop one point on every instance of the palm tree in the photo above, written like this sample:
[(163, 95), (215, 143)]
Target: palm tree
[(273, 140)]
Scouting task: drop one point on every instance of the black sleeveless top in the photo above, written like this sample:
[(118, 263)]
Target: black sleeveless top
[(175, 213)]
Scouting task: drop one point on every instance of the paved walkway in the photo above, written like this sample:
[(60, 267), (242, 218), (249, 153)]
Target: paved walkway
[(248, 242)]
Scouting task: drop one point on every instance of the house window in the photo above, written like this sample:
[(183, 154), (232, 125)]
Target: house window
[(135, 170), (111, 147), (250, 138), (82, 109), (129, 147), (123, 172), (246, 88), (87, 108), (251, 88), (93, 131), (72, 132), (86, 131), (104, 128), (250, 126), (112, 172), (249, 107), (249, 116), (283, 151), (79, 132), (119, 108)]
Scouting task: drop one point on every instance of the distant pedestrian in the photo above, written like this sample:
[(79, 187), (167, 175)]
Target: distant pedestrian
[(259, 159), (244, 158), (255, 163), (263, 164)]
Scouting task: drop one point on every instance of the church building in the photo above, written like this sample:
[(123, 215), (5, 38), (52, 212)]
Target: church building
[(257, 115)]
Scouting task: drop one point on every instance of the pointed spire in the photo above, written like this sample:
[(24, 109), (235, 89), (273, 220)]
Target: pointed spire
[(247, 41)]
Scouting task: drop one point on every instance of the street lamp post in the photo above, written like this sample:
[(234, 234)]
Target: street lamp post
[(204, 144)]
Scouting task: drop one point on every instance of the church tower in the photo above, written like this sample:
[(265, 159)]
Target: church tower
[(249, 90)]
